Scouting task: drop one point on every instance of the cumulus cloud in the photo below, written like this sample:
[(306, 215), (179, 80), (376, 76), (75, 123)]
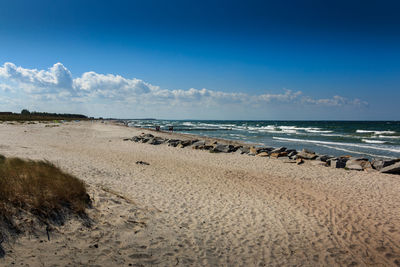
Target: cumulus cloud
[(57, 83)]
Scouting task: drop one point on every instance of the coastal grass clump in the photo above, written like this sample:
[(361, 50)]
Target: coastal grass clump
[(41, 189)]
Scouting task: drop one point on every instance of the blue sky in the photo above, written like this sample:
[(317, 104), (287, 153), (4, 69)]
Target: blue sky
[(202, 59)]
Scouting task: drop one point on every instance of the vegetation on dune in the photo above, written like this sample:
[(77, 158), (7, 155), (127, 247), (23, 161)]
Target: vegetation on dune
[(39, 190)]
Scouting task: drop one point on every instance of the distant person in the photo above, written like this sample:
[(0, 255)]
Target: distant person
[(171, 128), (157, 128)]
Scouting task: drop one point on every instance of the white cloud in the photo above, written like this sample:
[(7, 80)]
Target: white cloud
[(57, 84)]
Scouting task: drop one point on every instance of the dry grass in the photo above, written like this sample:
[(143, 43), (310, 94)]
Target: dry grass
[(40, 188)]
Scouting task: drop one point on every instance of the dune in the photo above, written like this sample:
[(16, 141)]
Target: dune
[(189, 207)]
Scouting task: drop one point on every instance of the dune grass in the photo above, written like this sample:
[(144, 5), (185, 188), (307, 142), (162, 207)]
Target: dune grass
[(40, 188)]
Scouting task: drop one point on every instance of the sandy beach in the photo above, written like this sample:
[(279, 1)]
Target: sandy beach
[(195, 208)]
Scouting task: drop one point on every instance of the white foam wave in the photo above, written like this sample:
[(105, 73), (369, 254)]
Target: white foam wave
[(387, 136), (373, 141), (375, 132), (391, 149), (318, 131)]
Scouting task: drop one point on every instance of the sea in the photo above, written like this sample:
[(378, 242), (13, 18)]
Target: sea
[(371, 139)]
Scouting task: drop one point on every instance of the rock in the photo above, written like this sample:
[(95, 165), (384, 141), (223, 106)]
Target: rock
[(262, 154), (244, 150), (278, 154), (264, 149), (173, 142), (180, 145), (299, 161), (379, 164), (219, 148), (185, 143), (253, 151), (358, 164), (142, 162), (337, 162), (146, 136), (394, 168), (308, 151), (306, 154), (156, 141), (199, 143), (292, 153), (278, 150), (136, 139), (325, 158), (354, 167), (127, 139)]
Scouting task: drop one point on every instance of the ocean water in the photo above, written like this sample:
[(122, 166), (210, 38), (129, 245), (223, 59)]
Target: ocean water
[(372, 139)]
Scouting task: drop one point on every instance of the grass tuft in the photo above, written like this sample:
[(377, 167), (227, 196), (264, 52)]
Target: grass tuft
[(40, 188)]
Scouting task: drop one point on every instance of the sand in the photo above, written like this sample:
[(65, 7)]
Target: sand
[(191, 207)]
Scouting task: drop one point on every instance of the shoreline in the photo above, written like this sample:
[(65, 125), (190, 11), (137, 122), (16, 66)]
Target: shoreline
[(345, 161), (193, 207)]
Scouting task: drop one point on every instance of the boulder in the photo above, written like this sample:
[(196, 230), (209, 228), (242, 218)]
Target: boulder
[(262, 154), (306, 154), (253, 151), (244, 150), (199, 143), (325, 158), (146, 135), (278, 150), (394, 168), (337, 162), (136, 139), (173, 142), (220, 148), (278, 154), (156, 141), (358, 164), (185, 143), (379, 164), (292, 153)]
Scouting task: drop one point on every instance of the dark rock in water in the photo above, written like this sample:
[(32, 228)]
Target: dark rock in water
[(278, 150), (219, 148), (306, 154), (394, 168), (325, 158), (379, 164)]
